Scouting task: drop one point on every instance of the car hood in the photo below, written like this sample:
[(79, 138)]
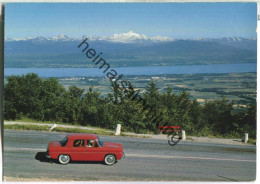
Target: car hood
[(113, 145)]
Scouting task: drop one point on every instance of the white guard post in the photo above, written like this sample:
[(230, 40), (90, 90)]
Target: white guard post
[(118, 129), (183, 135), (245, 138)]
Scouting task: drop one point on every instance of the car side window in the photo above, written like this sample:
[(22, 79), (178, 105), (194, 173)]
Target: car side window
[(91, 143), (78, 143)]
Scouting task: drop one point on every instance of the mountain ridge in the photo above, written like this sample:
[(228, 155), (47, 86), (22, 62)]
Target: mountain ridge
[(129, 37), (139, 50)]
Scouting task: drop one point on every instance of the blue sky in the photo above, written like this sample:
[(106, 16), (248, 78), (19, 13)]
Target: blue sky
[(175, 20)]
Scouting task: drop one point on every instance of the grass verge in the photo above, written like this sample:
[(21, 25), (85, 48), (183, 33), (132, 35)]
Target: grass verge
[(25, 119), (57, 129), (138, 136), (252, 141), (27, 127)]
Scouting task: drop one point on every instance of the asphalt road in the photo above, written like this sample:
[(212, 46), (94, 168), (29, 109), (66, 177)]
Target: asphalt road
[(146, 160)]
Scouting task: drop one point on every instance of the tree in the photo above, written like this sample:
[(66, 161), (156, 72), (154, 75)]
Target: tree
[(46, 100), (218, 115), (181, 113), (23, 97), (197, 125), (72, 105), (51, 94), (245, 121), (116, 96)]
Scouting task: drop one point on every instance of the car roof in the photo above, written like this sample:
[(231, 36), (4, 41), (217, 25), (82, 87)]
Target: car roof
[(82, 136)]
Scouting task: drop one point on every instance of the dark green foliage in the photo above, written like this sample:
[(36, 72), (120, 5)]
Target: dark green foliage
[(32, 97), (46, 100)]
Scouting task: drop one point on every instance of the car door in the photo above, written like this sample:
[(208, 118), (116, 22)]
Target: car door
[(78, 150), (93, 151)]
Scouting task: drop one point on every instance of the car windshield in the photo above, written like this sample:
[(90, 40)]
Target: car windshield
[(64, 141), (100, 142)]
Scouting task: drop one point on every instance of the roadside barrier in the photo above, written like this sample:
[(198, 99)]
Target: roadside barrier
[(174, 132), (169, 129)]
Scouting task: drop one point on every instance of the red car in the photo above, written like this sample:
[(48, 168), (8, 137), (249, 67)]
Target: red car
[(84, 147)]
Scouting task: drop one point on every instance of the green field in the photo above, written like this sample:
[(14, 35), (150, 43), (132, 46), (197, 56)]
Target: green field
[(239, 87)]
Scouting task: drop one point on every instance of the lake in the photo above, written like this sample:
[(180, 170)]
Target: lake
[(146, 70)]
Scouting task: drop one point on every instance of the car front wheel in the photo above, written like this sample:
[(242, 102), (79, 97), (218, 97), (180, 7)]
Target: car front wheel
[(64, 159), (110, 159)]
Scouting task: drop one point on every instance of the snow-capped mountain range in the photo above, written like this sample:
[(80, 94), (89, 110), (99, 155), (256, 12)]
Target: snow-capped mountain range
[(129, 37), (128, 49)]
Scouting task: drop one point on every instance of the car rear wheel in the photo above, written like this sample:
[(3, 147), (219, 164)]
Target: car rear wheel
[(64, 159), (110, 159)]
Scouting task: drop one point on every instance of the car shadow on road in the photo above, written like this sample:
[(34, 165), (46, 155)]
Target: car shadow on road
[(40, 156), (86, 162)]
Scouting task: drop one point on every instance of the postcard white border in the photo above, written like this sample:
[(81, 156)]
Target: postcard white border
[(150, 1)]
